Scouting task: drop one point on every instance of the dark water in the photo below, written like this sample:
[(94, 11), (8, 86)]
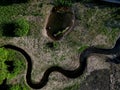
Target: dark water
[(68, 73)]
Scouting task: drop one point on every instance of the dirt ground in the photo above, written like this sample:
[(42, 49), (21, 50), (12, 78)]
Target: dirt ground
[(99, 74)]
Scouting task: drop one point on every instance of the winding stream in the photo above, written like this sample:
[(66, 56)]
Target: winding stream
[(68, 73)]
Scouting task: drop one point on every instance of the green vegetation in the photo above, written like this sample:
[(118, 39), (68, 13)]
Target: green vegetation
[(11, 64), (17, 28), (92, 20), (103, 21), (18, 63), (72, 87), (22, 27), (62, 3), (7, 13), (3, 57), (19, 87), (53, 45), (82, 48)]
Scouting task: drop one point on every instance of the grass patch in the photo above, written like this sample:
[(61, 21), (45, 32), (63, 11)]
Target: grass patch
[(100, 20), (21, 27), (8, 13), (21, 86), (16, 28), (82, 48), (3, 57), (18, 62), (17, 65)]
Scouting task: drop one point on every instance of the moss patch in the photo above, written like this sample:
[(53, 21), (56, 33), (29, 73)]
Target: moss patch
[(10, 59)]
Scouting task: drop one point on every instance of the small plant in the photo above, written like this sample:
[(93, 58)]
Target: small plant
[(63, 3), (22, 27), (82, 48), (52, 45)]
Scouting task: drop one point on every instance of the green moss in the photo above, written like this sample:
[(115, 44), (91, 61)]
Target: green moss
[(83, 47), (3, 57), (3, 54), (18, 64), (21, 27)]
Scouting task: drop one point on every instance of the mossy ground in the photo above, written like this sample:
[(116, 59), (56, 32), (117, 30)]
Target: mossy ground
[(92, 21), (12, 64)]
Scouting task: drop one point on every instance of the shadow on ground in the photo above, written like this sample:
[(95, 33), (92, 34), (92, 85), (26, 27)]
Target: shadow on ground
[(4, 86), (9, 2), (8, 29)]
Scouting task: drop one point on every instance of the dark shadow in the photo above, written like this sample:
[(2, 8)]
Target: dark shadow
[(50, 45), (117, 12), (4, 86), (8, 29), (9, 2), (10, 66)]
